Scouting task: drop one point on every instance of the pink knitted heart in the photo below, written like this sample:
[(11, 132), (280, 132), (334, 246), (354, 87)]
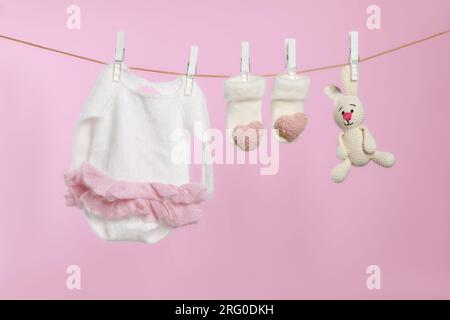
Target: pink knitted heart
[(246, 136), (290, 126)]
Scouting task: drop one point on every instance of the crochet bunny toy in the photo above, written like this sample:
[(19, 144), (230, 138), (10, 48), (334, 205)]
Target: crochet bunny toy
[(356, 145)]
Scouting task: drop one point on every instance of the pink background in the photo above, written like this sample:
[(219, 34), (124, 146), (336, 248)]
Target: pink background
[(293, 235)]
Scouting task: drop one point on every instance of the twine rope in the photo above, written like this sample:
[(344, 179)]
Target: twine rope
[(205, 75)]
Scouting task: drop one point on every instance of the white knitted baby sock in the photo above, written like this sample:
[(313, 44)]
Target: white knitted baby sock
[(288, 95), (244, 120)]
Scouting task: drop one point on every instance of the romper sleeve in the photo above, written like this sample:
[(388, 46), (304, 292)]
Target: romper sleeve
[(96, 104), (197, 122)]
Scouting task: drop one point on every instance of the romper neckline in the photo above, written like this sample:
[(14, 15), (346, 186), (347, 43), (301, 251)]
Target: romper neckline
[(165, 89)]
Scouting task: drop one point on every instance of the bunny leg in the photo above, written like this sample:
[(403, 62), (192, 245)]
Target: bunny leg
[(340, 172), (384, 159)]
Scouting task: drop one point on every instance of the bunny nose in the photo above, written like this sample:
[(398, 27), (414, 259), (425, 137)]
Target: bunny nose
[(347, 116)]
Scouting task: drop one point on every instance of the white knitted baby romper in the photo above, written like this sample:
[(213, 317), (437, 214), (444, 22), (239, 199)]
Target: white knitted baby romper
[(125, 174)]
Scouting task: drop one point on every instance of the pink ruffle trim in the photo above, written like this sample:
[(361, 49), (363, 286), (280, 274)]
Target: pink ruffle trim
[(91, 189)]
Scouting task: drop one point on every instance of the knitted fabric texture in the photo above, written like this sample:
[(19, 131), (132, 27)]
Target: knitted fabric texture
[(130, 164), (244, 119), (355, 144), (288, 97), (92, 190)]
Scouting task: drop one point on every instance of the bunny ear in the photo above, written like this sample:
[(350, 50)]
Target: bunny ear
[(332, 92), (351, 87)]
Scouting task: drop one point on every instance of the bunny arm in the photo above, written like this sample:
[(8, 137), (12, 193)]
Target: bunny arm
[(369, 144), (341, 151)]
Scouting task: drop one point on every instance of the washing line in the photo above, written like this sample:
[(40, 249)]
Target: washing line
[(205, 75)]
